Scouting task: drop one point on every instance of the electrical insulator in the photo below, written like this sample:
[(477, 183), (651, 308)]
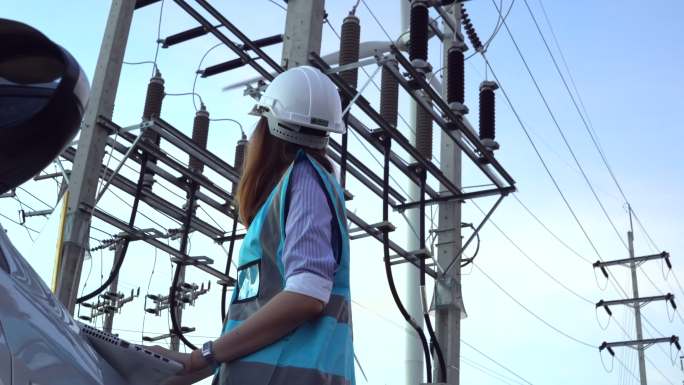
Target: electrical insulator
[(488, 115), (155, 95), (240, 153), (222, 67), (152, 109), (418, 39), (470, 30), (456, 80), (389, 96), (350, 39), (184, 36), (265, 42), (200, 134), (424, 131)]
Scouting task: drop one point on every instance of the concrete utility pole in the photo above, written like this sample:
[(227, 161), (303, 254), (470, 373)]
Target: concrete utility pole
[(448, 316), (413, 362), (637, 306), (91, 146), (303, 31)]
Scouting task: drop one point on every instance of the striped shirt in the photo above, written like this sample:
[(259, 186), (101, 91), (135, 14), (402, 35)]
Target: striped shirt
[(308, 257)]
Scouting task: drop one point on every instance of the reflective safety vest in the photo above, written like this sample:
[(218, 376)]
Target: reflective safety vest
[(320, 351)]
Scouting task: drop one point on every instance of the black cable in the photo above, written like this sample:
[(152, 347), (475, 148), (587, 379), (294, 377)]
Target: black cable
[(231, 246), (124, 247), (173, 304), (426, 316), (388, 268)]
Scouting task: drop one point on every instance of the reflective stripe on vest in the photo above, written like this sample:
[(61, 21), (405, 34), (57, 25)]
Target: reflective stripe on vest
[(319, 351)]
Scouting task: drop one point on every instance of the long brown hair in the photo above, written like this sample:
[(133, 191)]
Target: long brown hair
[(267, 159)]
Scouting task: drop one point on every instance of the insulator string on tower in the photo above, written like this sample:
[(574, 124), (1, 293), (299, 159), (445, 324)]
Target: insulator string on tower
[(470, 30)]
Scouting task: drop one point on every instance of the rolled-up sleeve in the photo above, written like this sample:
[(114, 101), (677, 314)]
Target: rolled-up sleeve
[(308, 257)]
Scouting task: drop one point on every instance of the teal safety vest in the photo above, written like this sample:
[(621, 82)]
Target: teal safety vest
[(320, 351)]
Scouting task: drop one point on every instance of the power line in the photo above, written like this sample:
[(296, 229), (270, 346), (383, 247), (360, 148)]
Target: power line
[(582, 117), (555, 121), (589, 126), (495, 361), (35, 197), (553, 278), (535, 315), (280, 6), (536, 218)]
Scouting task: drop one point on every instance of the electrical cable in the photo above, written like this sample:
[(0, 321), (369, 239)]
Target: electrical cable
[(149, 283), (173, 304), (548, 171), (35, 197), (388, 268), (139, 62), (495, 361), (551, 276), (159, 41), (21, 208), (556, 237), (19, 224), (280, 6), (186, 93), (197, 73), (542, 320), (426, 315), (497, 28), (229, 260), (126, 240), (594, 137)]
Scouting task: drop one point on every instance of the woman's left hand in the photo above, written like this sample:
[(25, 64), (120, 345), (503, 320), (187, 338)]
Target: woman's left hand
[(183, 358)]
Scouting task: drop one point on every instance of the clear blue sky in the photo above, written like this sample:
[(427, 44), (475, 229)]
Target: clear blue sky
[(625, 57)]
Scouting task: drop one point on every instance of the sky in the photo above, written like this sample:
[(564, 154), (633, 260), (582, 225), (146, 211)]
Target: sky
[(624, 57)]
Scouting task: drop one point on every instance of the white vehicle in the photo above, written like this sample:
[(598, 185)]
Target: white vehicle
[(40, 343)]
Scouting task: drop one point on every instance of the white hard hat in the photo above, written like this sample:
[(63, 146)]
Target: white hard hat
[(302, 106)]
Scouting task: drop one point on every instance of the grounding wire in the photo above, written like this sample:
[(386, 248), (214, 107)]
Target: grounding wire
[(560, 130)]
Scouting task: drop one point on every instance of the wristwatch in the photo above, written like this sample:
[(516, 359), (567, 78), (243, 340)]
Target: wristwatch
[(208, 355)]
